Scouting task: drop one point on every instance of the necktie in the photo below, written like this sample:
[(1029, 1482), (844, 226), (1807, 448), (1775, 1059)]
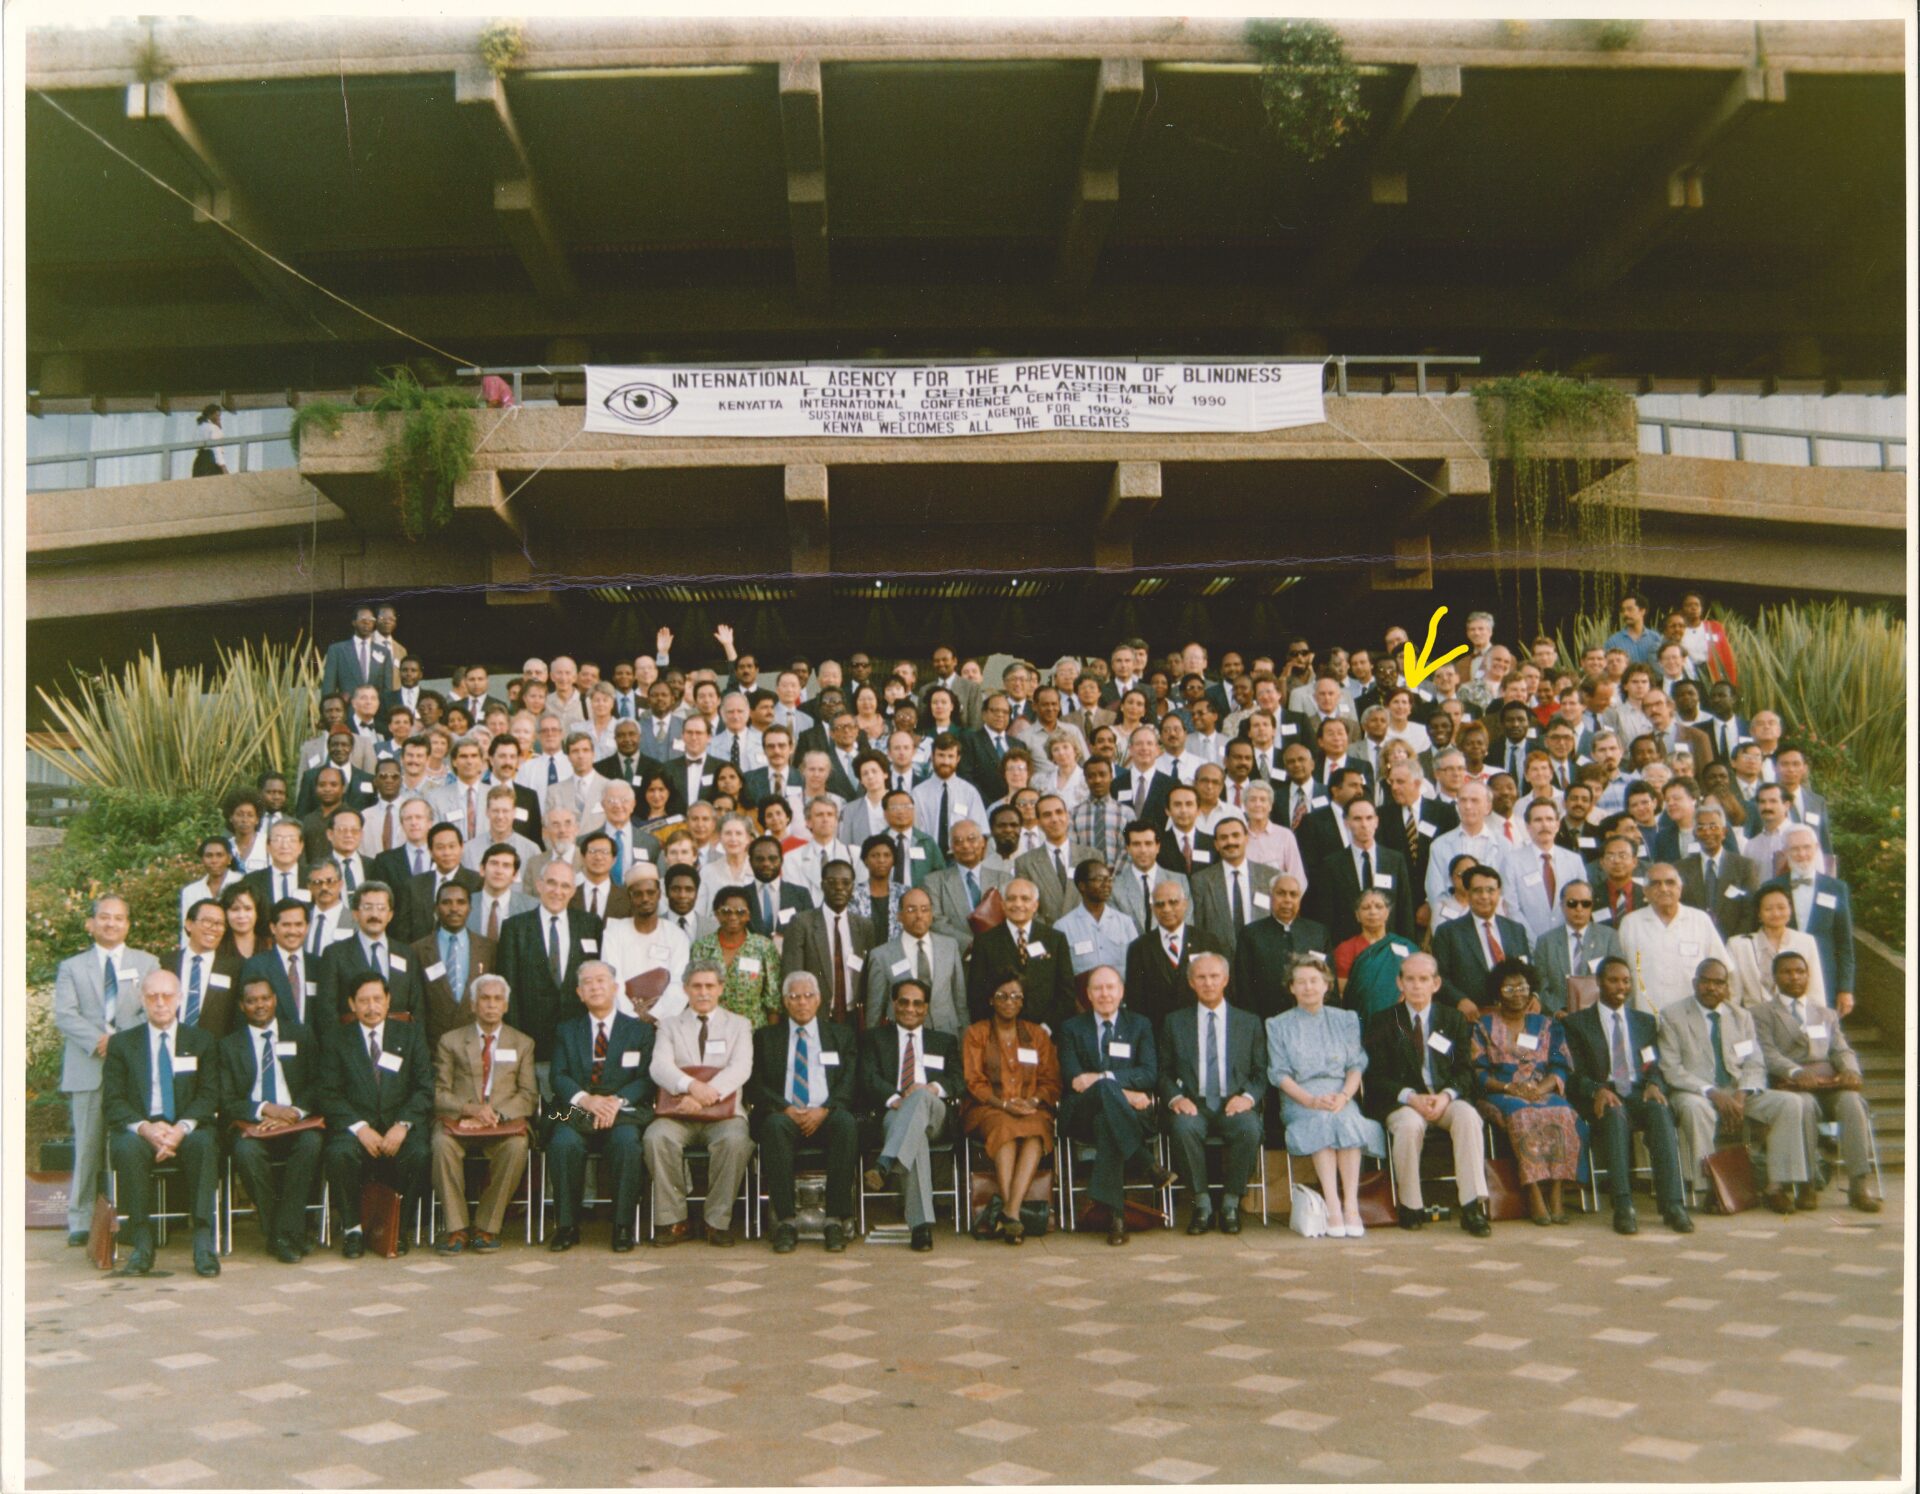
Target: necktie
[(166, 1076), (733, 752), (297, 987), (1106, 1038), (1712, 880), (593, 900), (1020, 948), (556, 961), (366, 673), (286, 886), (1299, 804), (1496, 953), (1622, 1066), (1239, 907), (1722, 1075), (1420, 1047), (907, 1068), (317, 941), (999, 746), (940, 825), (1413, 832), (599, 1055), (1173, 948), (1186, 851), (802, 1091), (473, 823), (922, 967), (1211, 1090), (839, 971), (1060, 863), (973, 887), (620, 855), (1366, 870), (1236, 796), (1546, 874), (386, 830), (269, 1084), (766, 906), (493, 919), (900, 861), (346, 873), (454, 954), (193, 994), (1506, 826), (1100, 823), (703, 1040), (486, 1064), (380, 958), (553, 777), (419, 861), (373, 1055)]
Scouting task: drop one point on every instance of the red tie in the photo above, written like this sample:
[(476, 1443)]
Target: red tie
[(906, 1061), (599, 1054), (1546, 873), (1299, 805), (386, 832), (1493, 943), (1186, 850), (493, 920)]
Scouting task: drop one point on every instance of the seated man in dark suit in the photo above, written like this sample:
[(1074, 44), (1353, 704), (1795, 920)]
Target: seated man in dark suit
[(1213, 1077), (269, 1078), (801, 1090), (376, 1086), (1468, 947), (1266, 947), (1420, 1075), (916, 1068), (600, 1069), (158, 1106), (1108, 1068), (1616, 1081)]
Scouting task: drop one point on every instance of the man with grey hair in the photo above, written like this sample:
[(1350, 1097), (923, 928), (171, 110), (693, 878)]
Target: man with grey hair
[(805, 1072), (1716, 879), (702, 1059), (484, 1085), (96, 993), (1471, 837), (1823, 909)]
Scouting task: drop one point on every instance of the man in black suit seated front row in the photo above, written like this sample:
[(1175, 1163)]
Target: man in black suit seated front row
[(601, 1063), (1108, 1066), (1213, 1077), (916, 1068), (801, 1092), (377, 1080), (269, 1070)]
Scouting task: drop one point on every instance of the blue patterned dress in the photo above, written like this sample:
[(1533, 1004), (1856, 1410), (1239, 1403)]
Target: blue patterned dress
[(1316, 1050)]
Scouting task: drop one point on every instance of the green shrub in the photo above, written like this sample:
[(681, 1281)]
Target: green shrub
[(58, 905), (1869, 831)]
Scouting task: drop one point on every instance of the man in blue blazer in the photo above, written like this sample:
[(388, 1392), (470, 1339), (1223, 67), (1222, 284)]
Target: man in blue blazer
[(363, 659), (269, 1069), (1213, 1078), (1108, 1068), (1468, 947), (601, 1060), (1616, 1082), (1822, 908)]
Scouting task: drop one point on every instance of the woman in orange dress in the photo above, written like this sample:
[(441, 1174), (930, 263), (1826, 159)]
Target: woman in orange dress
[(1013, 1088)]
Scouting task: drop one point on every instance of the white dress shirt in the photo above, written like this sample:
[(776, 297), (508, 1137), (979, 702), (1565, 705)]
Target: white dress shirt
[(156, 1036), (266, 1055), (1203, 1015)]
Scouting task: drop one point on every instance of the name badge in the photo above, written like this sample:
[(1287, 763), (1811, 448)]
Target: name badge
[(934, 1060), (1527, 1041), (1587, 842), (341, 931), (390, 1062), (1533, 881), (1647, 1054), (1027, 1055), (1742, 1048), (786, 916), (916, 853), (1439, 1042), (1201, 858), (829, 1060), (1825, 900), (901, 968), (1383, 880), (630, 1059), (366, 788), (1603, 915), (1813, 819), (749, 965), (1819, 1033), (1085, 946), (379, 655), (1288, 729), (592, 946), (185, 1063), (1689, 949), (1120, 1050), (716, 1048), (659, 952), (219, 982), (510, 1055), (706, 780), (1427, 830), (1262, 901), (398, 962), (435, 971), (1734, 891), (856, 964), (1036, 949), (520, 812), (286, 1050)]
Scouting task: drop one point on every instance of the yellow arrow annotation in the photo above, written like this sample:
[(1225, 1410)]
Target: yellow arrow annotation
[(1417, 668)]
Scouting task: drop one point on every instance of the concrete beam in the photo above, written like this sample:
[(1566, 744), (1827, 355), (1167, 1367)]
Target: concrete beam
[(1132, 494), (1453, 477), (1096, 193), (482, 492), (1426, 101), (803, 134), (1411, 568), (220, 200), (1673, 184), (481, 101), (809, 534), (509, 573)]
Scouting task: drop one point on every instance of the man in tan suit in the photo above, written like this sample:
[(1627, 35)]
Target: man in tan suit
[(1794, 1032), (483, 1078), (1716, 1075), (703, 1035)]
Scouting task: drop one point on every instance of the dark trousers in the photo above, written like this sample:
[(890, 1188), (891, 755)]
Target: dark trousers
[(282, 1210), (348, 1165), (1611, 1138), (196, 1161), (619, 1146), (1240, 1135), (780, 1139), (1100, 1114)]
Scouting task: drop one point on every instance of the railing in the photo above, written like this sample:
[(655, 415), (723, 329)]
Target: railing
[(1740, 431), (164, 450)]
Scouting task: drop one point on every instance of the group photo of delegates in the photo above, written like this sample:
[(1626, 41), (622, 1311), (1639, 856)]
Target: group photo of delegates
[(1163, 914)]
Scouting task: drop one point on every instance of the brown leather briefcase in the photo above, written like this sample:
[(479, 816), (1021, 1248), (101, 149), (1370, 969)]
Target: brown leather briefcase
[(100, 1236), (1506, 1196), (644, 990), (1730, 1175), (254, 1131), (991, 913), (488, 1133), (686, 1108), (380, 1219)]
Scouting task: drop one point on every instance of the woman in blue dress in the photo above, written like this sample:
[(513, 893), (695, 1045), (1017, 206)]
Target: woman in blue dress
[(1521, 1059), (1315, 1060)]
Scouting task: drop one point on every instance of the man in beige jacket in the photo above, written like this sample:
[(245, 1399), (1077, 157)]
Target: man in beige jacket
[(483, 1078)]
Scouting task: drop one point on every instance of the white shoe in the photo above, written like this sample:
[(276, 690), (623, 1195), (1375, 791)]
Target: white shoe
[(1336, 1231), (1356, 1230)]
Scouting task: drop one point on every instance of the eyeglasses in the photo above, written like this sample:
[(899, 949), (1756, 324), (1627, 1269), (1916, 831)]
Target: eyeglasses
[(1579, 902)]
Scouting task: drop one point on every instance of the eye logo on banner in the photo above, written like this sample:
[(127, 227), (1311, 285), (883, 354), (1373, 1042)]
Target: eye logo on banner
[(641, 404)]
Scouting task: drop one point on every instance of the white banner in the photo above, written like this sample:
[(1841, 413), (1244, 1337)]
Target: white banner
[(1006, 398)]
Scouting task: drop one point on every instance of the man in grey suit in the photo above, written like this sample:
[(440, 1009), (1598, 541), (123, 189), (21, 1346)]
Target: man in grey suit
[(1230, 892), (1213, 1077), (95, 994), (831, 943), (967, 693), (1141, 872), (1716, 1075), (958, 888), (363, 659), (1721, 883), (1049, 865), (1575, 946), (920, 954), (1537, 868)]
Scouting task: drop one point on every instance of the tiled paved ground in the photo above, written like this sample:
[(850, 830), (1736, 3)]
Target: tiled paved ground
[(1757, 1348)]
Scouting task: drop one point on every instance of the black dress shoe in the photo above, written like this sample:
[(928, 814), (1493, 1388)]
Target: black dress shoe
[(1411, 1218), (1679, 1221), (1199, 1221), (720, 1236), (286, 1252), (402, 1244), (1161, 1177), (1230, 1219), (1625, 1221), (205, 1261), (567, 1236), (922, 1238), (1473, 1219), (1117, 1229), (353, 1245), (622, 1241), (836, 1236), (786, 1237), (140, 1262)]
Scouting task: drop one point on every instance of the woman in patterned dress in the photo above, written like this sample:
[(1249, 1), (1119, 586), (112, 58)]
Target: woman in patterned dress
[(1522, 1062)]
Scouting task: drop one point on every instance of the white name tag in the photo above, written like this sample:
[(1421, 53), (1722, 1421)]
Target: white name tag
[(1813, 819), (1819, 1033), (286, 1050), (916, 853), (379, 656), (1743, 1048), (1734, 891), (1383, 880), (630, 1059), (706, 780), (185, 1063), (435, 971), (786, 915), (366, 788), (901, 968), (507, 1055), (1440, 1042), (855, 963), (1288, 729), (1527, 1041), (829, 1060), (1825, 900), (1085, 946), (1427, 830), (520, 812), (390, 1062), (1647, 1054), (1120, 1050), (1533, 881), (1027, 1055), (1603, 915), (592, 946), (1587, 842), (398, 962), (934, 1060), (716, 1048), (219, 982), (749, 965), (1201, 858), (1262, 901), (1035, 949)]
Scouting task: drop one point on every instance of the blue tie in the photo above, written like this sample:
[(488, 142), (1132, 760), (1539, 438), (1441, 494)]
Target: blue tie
[(166, 1078), (269, 1086), (620, 856), (193, 994), (553, 771), (1722, 1075), (453, 954), (1106, 1037), (110, 993), (802, 1093), (1210, 1090), (766, 910), (973, 889)]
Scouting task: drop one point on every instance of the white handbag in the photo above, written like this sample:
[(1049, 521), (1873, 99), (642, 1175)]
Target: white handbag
[(1307, 1215)]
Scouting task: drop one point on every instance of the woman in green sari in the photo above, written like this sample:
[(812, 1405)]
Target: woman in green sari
[(1370, 961)]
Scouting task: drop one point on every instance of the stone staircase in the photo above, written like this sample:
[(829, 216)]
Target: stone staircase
[(1883, 1066)]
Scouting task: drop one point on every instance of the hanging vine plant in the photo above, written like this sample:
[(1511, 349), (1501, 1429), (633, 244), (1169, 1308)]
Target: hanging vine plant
[(1521, 415), (502, 45), (1308, 86), (428, 452)]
